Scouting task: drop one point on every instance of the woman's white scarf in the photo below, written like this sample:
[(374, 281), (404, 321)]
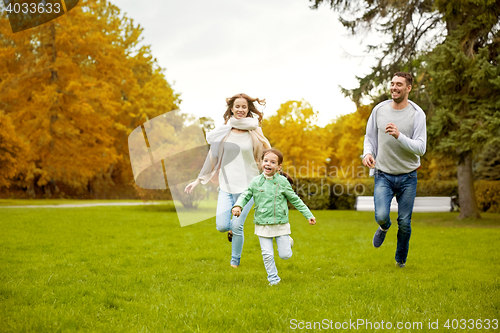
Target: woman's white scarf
[(218, 136)]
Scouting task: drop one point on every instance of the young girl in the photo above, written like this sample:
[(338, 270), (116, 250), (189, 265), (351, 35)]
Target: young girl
[(270, 191)]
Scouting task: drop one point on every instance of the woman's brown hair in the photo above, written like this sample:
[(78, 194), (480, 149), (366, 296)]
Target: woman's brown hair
[(251, 107)]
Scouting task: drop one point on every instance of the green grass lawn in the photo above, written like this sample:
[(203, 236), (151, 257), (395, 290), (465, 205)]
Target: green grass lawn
[(57, 202), (134, 269)]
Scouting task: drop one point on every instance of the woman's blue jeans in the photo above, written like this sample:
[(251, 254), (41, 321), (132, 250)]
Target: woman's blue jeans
[(404, 187), (224, 222)]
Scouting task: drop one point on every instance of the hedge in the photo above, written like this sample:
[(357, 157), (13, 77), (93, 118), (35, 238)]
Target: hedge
[(334, 193), (488, 195)]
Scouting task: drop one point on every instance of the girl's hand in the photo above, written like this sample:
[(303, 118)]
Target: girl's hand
[(190, 187), (236, 211), (312, 221)]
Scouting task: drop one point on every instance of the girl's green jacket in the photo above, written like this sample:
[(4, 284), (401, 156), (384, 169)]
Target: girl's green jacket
[(270, 196)]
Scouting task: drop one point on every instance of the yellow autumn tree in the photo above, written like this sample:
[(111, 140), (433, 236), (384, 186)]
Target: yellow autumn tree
[(74, 88), (12, 151), (294, 132), (346, 136)]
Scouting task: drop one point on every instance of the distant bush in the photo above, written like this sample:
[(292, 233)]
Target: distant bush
[(332, 193), (488, 195), (432, 188)]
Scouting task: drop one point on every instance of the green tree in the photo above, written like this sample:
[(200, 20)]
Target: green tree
[(407, 27), (488, 164), (464, 82), (457, 81)]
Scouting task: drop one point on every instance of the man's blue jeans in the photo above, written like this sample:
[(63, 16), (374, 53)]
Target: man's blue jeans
[(404, 187)]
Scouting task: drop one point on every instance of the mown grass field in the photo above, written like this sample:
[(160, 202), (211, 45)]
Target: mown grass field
[(134, 269), (57, 202)]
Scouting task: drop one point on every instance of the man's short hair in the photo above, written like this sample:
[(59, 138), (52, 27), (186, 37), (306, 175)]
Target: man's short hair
[(407, 76)]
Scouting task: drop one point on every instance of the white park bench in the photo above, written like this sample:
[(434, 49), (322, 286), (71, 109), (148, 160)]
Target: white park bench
[(422, 204)]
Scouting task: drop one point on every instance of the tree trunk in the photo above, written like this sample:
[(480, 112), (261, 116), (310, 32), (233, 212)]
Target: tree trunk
[(52, 45), (466, 193)]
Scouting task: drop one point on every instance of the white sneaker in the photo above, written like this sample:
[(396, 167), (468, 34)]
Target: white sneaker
[(291, 241)]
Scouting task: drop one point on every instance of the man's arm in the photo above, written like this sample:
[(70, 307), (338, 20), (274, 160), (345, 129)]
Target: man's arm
[(417, 144), (371, 137)]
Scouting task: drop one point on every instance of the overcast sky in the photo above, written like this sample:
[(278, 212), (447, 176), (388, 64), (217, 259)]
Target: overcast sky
[(279, 50)]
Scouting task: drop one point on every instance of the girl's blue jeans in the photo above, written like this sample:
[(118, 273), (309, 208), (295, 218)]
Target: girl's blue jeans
[(284, 251), (404, 187), (224, 222)]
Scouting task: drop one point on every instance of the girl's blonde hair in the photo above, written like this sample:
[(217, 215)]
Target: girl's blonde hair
[(251, 107)]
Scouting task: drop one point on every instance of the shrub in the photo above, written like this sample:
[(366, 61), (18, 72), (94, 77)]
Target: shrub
[(432, 188), (334, 193), (488, 195), (315, 192)]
